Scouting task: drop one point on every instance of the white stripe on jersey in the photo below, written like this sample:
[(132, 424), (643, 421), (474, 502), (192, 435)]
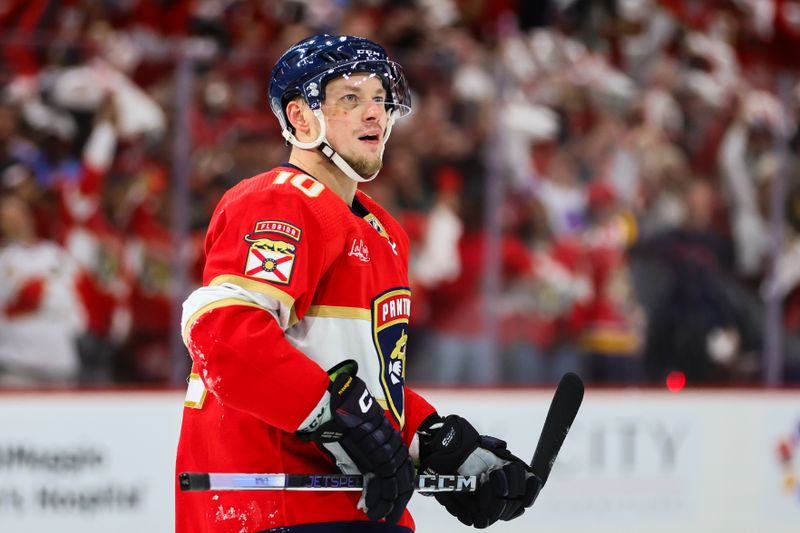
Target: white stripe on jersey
[(328, 335), (205, 298), (330, 340)]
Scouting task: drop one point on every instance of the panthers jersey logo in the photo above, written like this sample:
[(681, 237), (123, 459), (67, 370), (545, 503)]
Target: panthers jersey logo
[(390, 315)]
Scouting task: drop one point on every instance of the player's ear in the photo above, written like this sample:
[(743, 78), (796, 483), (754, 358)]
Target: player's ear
[(302, 119)]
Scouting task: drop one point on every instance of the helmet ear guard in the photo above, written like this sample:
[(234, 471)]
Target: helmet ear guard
[(308, 65)]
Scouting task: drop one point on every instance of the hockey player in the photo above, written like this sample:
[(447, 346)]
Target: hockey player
[(298, 336)]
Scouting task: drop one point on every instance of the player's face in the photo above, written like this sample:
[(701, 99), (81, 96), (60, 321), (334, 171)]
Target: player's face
[(355, 113)]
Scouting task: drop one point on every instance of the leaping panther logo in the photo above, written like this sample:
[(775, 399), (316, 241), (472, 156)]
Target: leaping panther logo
[(271, 245), (397, 365)]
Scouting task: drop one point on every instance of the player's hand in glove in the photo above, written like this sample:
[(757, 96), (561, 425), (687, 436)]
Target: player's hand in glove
[(506, 484), (358, 436)]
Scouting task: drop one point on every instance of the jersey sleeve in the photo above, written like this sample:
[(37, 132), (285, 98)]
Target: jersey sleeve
[(272, 243), (266, 252), (417, 410), (244, 360)]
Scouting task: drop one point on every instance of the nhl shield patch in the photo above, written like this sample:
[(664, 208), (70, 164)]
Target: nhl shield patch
[(390, 315), (270, 259)]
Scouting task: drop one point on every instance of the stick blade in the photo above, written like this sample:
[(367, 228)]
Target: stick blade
[(563, 409)]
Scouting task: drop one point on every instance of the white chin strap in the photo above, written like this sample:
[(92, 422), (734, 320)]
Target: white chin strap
[(321, 142)]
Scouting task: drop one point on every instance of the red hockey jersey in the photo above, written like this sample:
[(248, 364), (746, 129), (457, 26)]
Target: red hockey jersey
[(295, 281)]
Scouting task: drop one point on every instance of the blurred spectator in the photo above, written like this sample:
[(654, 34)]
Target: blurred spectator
[(41, 312), (786, 281), (747, 162), (97, 245), (697, 314), (457, 348), (539, 330), (148, 256), (436, 258), (613, 322)]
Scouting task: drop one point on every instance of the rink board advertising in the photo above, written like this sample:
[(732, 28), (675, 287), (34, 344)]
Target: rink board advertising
[(633, 461)]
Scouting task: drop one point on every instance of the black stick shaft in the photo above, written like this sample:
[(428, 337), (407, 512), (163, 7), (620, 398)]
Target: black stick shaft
[(563, 409)]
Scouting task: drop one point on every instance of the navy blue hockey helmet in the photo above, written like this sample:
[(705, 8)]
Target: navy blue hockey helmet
[(305, 68)]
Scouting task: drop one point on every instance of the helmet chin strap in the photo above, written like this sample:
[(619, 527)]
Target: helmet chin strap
[(321, 142)]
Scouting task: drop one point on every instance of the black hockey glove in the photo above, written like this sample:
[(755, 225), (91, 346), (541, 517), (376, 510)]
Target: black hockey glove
[(506, 484), (360, 439)]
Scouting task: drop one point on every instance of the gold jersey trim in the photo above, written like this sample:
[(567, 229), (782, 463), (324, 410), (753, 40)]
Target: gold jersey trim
[(337, 311), (257, 286)]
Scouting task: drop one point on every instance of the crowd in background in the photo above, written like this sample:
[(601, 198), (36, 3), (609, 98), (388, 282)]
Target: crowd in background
[(644, 154)]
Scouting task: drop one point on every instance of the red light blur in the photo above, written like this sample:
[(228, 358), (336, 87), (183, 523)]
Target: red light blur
[(676, 381)]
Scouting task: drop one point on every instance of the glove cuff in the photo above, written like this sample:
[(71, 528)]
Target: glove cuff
[(318, 416), (429, 426), (348, 366), (447, 442)]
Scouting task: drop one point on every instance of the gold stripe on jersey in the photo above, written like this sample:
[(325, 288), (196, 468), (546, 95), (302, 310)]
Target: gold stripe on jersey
[(336, 311), (225, 302), (257, 286)]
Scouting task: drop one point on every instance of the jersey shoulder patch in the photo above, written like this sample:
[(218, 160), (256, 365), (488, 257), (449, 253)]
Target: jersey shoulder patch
[(272, 251)]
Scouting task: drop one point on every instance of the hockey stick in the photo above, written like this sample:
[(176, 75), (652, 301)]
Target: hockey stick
[(563, 409), (195, 481)]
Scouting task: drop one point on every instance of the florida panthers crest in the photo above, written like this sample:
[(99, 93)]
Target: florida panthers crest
[(390, 314)]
